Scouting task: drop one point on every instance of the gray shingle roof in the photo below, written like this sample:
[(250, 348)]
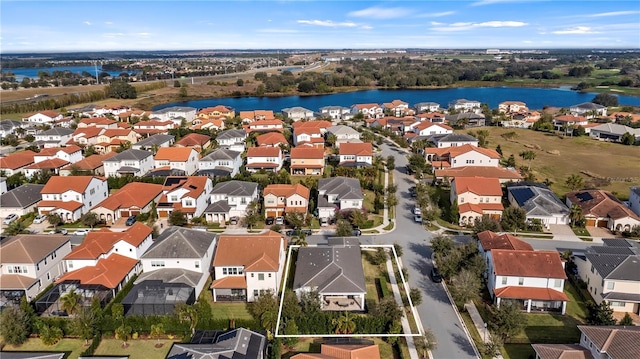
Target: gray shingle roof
[(176, 109), (343, 187), (228, 134), (173, 275), (220, 154), (57, 131), (589, 106), (130, 154), (236, 344), (21, 197), (235, 188), (176, 242), (537, 200), (618, 259), (342, 130), (616, 129), (218, 207), (616, 341), (157, 139)]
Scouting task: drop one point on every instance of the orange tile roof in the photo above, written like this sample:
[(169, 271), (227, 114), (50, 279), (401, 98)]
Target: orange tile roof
[(453, 152), (484, 186), (478, 171), (59, 184), (257, 114), (307, 153), (52, 151), (97, 121), (108, 272), (48, 164), (17, 160), (218, 108), (286, 190), (480, 208), (194, 184), (570, 118), (116, 132), (71, 206), (312, 124), (270, 139), (263, 152), (515, 292), (101, 242), (133, 194), (173, 154), (357, 149), (599, 203), (256, 253), (491, 240), (48, 113), (90, 163), (230, 282), (87, 132), (521, 263), (424, 125), (366, 105)]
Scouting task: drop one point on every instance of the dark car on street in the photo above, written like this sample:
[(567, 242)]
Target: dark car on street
[(435, 275), (269, 221), (297, 232)]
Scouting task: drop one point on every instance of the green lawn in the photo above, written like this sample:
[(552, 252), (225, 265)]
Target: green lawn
[(230, 311), (140, 348), (579, 231), (518, 351), (74, 346)]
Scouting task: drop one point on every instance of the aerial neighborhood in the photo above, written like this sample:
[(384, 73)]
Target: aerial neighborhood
[(247, 231)]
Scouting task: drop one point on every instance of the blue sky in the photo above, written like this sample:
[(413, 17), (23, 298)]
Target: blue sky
[(47, 26)]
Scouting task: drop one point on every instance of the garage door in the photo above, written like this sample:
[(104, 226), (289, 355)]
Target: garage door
[(134, 212), (603, 223), (125, 214), (271, 213), (591, 222), (163, 214)]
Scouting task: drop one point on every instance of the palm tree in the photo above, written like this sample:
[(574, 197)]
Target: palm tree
[(269, 319), (71, 302), (425, 343), (575, 214), (574, 182), (345, 323), (528, 155)]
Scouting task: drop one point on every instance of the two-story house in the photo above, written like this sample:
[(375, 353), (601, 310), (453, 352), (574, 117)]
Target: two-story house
[(230, 199), (92, 165), (20, 200), (54, 137), (188, 194), (285, 198), (452, 140), (397, 108), (176, 114), (461, 156), (70, 154), (308, 136), (464, 105), (264, 126), (98, 122), (256, 115), (153, 127), (596, 342), (247, 266), (16, 162), (307, 161), (216, 112), (476, 197), (335, 112), (154, 142), (115, 138), (72, 196), (466, 119), (297, 113), (183, 159), (232, 139), (603, 209), (344, 134), (131, 200), (369, 110), (86, 135), (589, 110), (512, 107), (338, 194), (567, 122), (220, 162), (47, 116), (428, 128), (196, 141), (427, 107), (129, 162), (264, 158), (271, 139), (356, 154), (29, 263)]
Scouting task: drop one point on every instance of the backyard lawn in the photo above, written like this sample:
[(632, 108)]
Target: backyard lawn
[(137, 349), (74, 346)]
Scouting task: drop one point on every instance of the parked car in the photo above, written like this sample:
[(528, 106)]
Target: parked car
[(130, 221), (357, 232), (39, 218), (435, 275), (59, 231), (297, 232), (269, 221), (280, 220), (10, 218), (417, 211), (81, 232), (234, 220), (324, 222), (417, 218)]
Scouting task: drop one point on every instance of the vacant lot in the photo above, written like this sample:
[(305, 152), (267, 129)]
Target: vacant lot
[(558, 157)]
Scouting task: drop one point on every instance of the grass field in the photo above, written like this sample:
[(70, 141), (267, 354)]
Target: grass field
[(575, 154), (137, 349)]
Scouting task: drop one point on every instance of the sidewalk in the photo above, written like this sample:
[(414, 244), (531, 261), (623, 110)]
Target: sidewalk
[(405, 323), (480, 325)]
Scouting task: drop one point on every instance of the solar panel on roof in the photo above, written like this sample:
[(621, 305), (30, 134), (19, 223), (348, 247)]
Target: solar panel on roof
[(227, 336), (522, 195)]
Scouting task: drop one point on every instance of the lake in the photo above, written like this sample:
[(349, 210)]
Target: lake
[(33, 73), (535, 98)]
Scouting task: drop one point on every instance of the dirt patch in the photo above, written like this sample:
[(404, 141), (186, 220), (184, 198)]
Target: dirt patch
[(534, 146), (159, 345), (554, 152)]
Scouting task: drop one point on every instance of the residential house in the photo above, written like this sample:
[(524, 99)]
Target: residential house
[(20, 200), (464, 105), (280, 199), (344, 134), (369, 110), (363, 349), (264, 126), (335, 112), (69, 154), (308, 136), (317, 125), (129, 162), (264, 158), (565, 122), (232, 139), (596, 342), (154, 127), (256, 115), (521, 119), (220, 162), (54, 137), (72, 196), (634, 199), (238, 343), (602, 209), (131, 200), (297, 113), (428, 128), (183, 159), (153, 142), (539, 202), (356, 154), (466, 119), (10, 127), (29, 263), (504, 175), (247, 266), (397, 108), (216, 112), (338, 194), (48, 116), (589, 110), (51, 166), (196, 141), (333, 271), (86, 136), (230, 199), (113, 139), (97, 122), (461, 156), (16, 162), (613, 132), (624, 117), (452, 140), (271, 139), (92, 165), (307, 161), (175, 270), (3, 185), (612, 273), (488, 241), (476, 197), (427, 107), (188, 194), (512, 107), (176, 114)]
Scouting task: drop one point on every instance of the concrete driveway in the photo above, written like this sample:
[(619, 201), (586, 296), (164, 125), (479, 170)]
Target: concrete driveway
[(563, 232)]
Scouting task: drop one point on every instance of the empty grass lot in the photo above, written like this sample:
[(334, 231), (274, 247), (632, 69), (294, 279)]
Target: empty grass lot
[(575, 154)]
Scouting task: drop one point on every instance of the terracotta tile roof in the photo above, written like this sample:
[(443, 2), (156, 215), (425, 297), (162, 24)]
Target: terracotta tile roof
[(318, 124), (569, 118), (70, 206), (257, 114), (601, 204), (361, 106), (116, 132), (479, 185), (194, 184), (173, 154), (307, 153), (307, 131), (108, 272), (52, 151), (357, 149), (394, 103), (29, 248), (618, 342), (218, 108), (541, 264), (343, 351), (97, 121), (124, 125), (256, 253), (478, 171), (270, 139), (430, 115), (48, 113), (453, 152), (134, 194), (490, 240), (480, 208), (440, 164), (230, 282), (90, 163), (59, 184), (17, 160), (87, 132), (424, 125), (48, 164), (286, 190), (101, 242), (263, 152), (516, 292)]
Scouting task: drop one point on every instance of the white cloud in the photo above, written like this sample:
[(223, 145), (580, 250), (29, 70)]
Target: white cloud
[(578, 30), (613, 13), (277, 31), (142, 34), (491, 2), (381, 12), (366, 27), (327, 23), (88, 23), (438, 14), (462, 26), (108, 22), (113, 34)]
